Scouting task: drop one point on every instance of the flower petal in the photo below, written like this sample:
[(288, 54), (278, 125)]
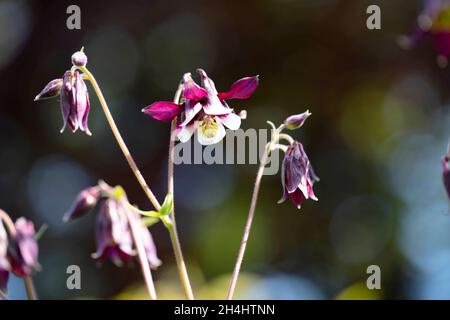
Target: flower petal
[(207, 82), (215, 107), (241, 89), (232, 121), (184, 133), (190, 111), (296, 198), (193, 91), (162, 110)]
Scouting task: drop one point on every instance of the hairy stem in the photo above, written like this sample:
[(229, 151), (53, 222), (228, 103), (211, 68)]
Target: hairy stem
[(27, 280), (173, 226), (248, 224), (141, 253)]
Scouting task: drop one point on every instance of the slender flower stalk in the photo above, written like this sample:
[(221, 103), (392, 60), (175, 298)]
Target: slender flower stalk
[(137, 239), (170, 190), (249, 222), (27, 280)]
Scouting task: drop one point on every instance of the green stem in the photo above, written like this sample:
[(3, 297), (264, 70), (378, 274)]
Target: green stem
[(249, 222)]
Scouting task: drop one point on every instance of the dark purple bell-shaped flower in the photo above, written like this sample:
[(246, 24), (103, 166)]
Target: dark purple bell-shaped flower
[(75, 102), (84, 203), (23, 249), (113, 233), (297, 175)]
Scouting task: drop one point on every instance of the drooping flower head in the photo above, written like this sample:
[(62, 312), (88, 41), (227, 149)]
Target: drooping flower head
[(434, 20), (23, 249), (74, 97), (113, 232), (297, 175), (204, 109)]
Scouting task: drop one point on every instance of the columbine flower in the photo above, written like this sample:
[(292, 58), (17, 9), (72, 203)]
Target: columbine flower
[(446, 172), (4, 264), (74, 99), (23, 249), (204, 109), (297, 175), (433, 20), (84, 203), (113, 234)]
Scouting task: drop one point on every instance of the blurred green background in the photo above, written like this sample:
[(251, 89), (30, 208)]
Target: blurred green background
[(380, 124)]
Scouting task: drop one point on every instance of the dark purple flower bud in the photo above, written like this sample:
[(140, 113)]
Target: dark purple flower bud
[(79, 59), (149, 246), (75, 102), (296, 121), (297, 175), (52, 89), (84, 203), (23, 251), (446, 173), (113, 233)]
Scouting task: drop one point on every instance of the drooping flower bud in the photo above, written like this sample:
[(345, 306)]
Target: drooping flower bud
[(297, 175), (296, 121), (75, 102), (113, 234), (23, 251), (83, 204), (51, 90), (79, 59)]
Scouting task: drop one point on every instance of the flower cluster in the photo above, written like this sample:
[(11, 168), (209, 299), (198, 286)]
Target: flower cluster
[(113, 231), (434, 20), (18, 252), (73, 94), (204, 109)]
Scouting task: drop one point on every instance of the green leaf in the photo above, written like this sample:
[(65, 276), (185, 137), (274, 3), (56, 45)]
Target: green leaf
[(167, 206), (151, 214)]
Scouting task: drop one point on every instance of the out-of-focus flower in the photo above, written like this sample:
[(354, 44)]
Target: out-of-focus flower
[(83, 204), (23, 249), (446, 172), (51, 90), (113, 234), (79, 59), (75, 102), (435, 21), (297, 175), (204, 109), (4, 264), (297, 120)]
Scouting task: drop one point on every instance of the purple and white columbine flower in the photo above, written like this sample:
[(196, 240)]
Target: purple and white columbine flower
[(433, 20), (297, 175), (204, 109)]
